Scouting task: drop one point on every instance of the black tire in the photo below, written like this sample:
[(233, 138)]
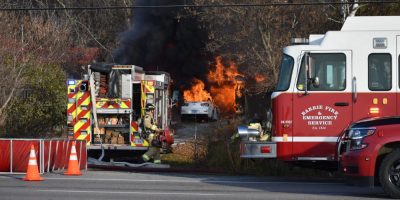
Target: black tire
[(389, 174)]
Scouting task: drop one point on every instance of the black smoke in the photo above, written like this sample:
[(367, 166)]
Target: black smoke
[(165, 39)]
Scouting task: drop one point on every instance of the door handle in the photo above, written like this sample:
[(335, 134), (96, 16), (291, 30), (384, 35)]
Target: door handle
[(341, 104)]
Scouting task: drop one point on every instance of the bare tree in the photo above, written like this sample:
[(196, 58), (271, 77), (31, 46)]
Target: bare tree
[(26, 43), (349, 8), (254, 36)]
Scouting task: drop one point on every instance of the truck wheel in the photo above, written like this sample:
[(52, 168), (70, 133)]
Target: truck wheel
[(389, 174)]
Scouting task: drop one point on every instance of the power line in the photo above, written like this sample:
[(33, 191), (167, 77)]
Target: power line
[(196, 6)]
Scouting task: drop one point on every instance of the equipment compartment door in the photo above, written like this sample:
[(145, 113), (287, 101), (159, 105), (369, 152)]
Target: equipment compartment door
[(375, 84), (325, 109)]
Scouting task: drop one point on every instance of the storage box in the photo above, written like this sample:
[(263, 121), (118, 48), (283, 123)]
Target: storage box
[(115, 133), (114, 140), (101, 121), (109, 133), (121, 139), (97, 139), (97, 131), (114, 121)]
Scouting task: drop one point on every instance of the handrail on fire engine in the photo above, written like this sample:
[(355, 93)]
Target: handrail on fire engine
[(354, 89), (93, 99)]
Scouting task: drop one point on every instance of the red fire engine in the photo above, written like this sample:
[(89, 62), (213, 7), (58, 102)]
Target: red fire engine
[(326, 83), (105, 107)]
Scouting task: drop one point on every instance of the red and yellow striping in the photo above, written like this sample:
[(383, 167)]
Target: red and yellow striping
[(79, 106), (116, 103), (136, 141), (148, 86)]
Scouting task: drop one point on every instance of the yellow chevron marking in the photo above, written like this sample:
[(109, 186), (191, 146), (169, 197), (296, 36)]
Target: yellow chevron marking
[(150, 89), (81, 137)]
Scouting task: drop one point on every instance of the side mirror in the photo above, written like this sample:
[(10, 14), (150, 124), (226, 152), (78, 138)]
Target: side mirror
[(307, 71), (315, 82), (308, 65)]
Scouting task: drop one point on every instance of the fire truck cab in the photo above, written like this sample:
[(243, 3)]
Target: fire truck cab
[(326, 83)]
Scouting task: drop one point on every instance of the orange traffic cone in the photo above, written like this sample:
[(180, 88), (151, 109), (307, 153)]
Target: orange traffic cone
[(73, 165), (32, 174)]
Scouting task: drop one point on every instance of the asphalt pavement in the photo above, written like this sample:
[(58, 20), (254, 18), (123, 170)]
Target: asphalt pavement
[(99, 185)]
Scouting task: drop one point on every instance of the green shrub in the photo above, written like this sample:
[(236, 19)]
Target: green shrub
[(38, 111)]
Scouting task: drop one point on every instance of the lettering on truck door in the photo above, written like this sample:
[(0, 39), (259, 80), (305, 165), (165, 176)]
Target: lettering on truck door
[(321, 113)]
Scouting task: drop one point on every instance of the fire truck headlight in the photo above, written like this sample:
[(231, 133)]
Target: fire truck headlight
[(357, 136)]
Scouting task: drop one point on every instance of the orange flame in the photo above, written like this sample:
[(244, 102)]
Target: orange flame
[(224, 87), (259, 78), (197, 92)]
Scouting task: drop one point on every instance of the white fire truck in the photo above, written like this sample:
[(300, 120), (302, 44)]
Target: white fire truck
[(327, 83), (105, 107)]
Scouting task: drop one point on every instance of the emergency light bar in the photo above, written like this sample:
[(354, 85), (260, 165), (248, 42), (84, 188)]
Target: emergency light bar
[(71, 82), (380, 43), (297, 41)]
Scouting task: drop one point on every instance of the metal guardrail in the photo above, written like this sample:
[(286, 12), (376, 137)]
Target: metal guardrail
[(50, 157)]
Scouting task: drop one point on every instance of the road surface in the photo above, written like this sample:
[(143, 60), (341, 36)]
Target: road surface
[(99, 185)]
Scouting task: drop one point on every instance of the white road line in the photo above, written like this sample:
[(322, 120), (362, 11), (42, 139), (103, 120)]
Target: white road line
[(193, 181), (135, 192), (184, 181)]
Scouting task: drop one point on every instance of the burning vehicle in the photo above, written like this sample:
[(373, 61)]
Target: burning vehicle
[(220, 98), (203, 109), (198, 102)]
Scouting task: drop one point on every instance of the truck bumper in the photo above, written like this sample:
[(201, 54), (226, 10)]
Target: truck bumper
[(359, 167), (250, 149)]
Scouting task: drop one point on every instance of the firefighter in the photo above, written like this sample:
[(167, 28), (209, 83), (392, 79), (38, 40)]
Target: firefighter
[(152, 132)]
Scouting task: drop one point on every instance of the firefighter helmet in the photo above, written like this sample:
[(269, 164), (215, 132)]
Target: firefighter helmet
[(150, 106)]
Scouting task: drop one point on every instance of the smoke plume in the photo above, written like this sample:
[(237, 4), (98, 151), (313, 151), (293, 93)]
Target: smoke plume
[(164, 39)]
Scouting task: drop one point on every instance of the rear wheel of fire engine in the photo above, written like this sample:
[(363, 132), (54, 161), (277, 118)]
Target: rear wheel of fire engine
[(389, 174)]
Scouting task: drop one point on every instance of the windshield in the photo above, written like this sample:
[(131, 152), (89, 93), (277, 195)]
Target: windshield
[(285, 73), (329, 68)]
